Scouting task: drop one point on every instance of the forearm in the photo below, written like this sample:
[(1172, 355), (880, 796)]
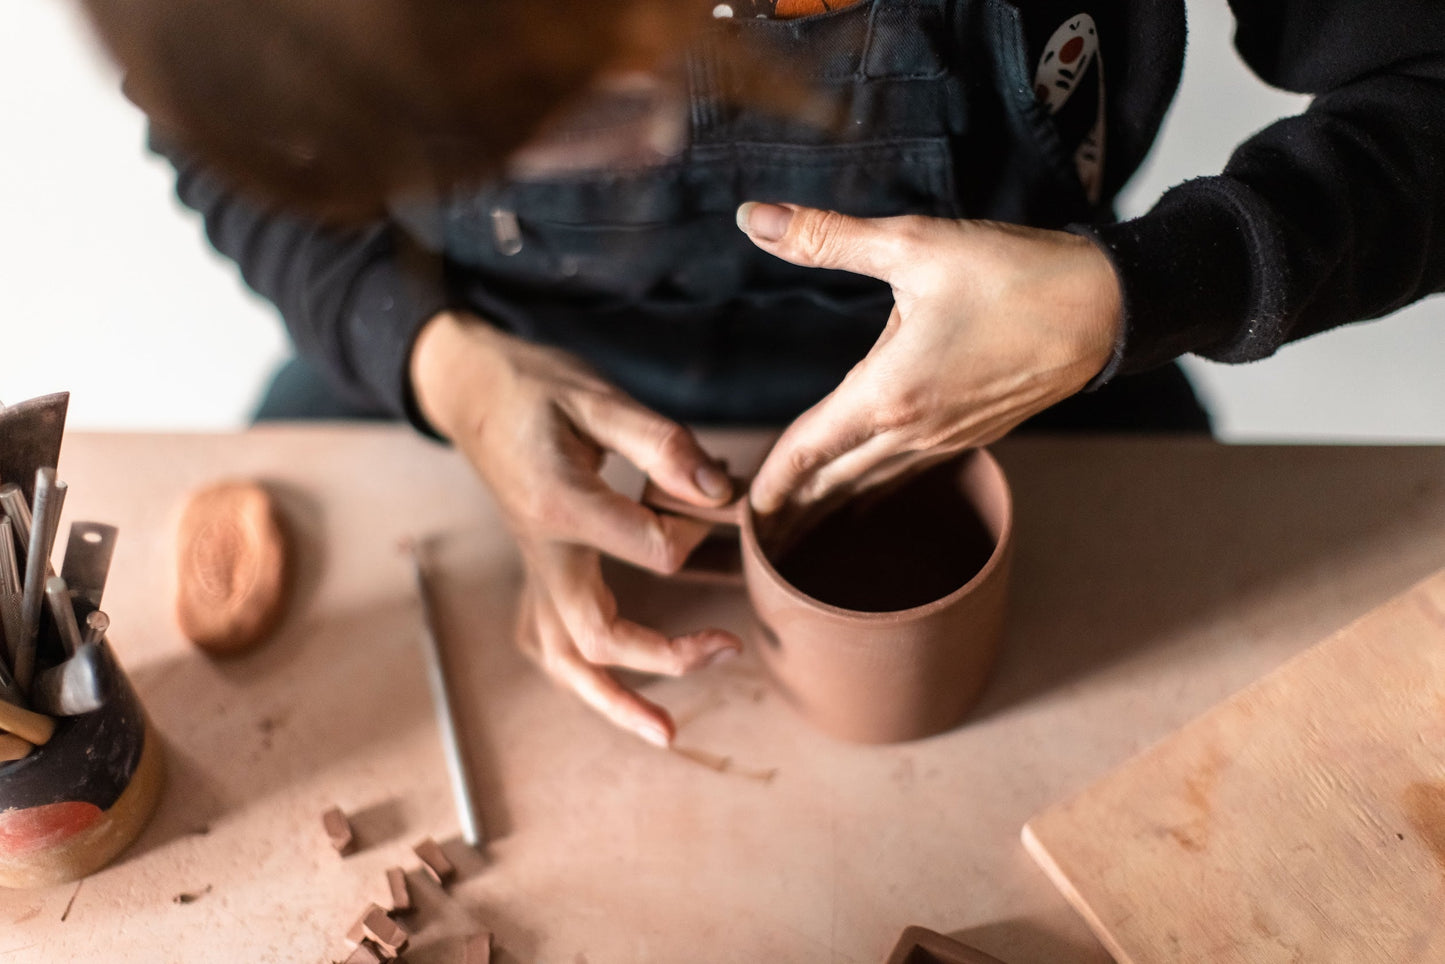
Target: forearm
[(1317, 221), (351, 299)]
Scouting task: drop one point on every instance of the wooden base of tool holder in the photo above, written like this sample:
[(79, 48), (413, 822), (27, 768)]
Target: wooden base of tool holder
[(75, 803)]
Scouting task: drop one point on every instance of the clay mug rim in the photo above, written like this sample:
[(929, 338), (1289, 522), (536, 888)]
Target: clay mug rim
[(739, 514)]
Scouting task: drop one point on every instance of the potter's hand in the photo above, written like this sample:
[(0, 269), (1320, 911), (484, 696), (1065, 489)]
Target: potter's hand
[(536, 424), (991, 324)]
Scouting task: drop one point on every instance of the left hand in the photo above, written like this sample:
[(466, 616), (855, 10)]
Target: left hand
[(991, 323)]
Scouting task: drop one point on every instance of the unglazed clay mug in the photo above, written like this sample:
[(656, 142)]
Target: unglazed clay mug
[(881, 622)]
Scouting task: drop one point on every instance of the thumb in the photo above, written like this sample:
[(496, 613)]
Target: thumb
[(823, 239)]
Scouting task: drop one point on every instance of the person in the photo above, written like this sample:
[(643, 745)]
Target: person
[(928, 257)]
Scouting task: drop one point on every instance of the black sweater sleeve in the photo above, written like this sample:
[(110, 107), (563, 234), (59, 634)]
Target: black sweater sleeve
[(353, 300), (1325, 218)]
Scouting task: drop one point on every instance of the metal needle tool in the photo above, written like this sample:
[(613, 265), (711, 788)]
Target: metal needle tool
[(10, 587), (12, 501), (58, 595), (463, 795), (45, 520), (10, 621), (97, 624)]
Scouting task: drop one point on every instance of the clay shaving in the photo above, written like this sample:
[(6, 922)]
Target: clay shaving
[(724, 764), (71, 903)]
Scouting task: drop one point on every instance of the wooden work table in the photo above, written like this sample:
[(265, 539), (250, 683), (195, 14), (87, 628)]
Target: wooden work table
[(1152, 578)]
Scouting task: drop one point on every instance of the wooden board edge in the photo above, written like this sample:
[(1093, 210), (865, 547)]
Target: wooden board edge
[(1034, 845), (1035, 848)]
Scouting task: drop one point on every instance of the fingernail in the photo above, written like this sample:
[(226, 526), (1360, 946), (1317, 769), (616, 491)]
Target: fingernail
[(725, 655), (654, 734), (713, 482), (768, 222)]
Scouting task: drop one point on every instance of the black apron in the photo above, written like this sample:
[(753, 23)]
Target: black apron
[(644, 272)]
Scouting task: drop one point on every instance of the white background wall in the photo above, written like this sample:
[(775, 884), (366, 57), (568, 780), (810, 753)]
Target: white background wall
[(107, 288)]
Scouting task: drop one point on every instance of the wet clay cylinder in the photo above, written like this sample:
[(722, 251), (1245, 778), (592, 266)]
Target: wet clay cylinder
[(904, 606), (881, 623), (73, 804)]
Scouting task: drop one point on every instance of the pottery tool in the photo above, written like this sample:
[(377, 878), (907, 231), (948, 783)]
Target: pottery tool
[(9, 692), (44, 521), (34, 727), (72, 687), (10, 586), (88, 551), (17, 514), (30, 436), (58, 595), (13, 748), (1301, 820), (97, 624), (463, 793)]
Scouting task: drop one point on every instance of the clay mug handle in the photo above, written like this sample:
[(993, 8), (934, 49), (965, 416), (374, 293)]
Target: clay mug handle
[(718, 559)]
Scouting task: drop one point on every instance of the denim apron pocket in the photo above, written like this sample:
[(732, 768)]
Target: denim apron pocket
[(643, 271), (1048, 189)]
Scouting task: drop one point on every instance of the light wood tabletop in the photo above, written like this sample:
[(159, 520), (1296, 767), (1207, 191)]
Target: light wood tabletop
[(1153, 577)]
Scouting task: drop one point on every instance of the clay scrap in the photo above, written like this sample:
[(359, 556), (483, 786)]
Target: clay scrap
[(434, 861), (338, 830), (231, 556), (400, 892), (389, 936), (365, 953)]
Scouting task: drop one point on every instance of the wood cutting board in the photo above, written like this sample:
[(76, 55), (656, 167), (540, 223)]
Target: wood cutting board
[(1301, 821)]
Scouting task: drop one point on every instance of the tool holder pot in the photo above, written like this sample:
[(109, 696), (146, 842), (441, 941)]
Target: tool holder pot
[(77, 801)]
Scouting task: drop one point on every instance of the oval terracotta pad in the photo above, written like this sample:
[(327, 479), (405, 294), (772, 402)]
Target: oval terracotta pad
[(231, 567)]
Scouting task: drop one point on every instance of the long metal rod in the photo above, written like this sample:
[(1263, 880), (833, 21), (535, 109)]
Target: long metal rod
[(44, 521), (97, 624), (58, 594), (463, 787), (12, 501), (10, 585)]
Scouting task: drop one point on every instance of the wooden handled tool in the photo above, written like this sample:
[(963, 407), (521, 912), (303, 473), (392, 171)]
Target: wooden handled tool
[(14, 748), (34, 727)]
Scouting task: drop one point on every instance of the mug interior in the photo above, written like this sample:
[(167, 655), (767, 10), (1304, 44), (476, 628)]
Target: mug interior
[(916, 546)]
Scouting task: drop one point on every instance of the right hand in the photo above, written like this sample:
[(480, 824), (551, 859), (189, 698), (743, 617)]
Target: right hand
[(536, 424)]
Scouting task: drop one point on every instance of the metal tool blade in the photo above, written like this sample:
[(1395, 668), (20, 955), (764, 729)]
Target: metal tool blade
[(73, 687), (30, 435), (87, 560)]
